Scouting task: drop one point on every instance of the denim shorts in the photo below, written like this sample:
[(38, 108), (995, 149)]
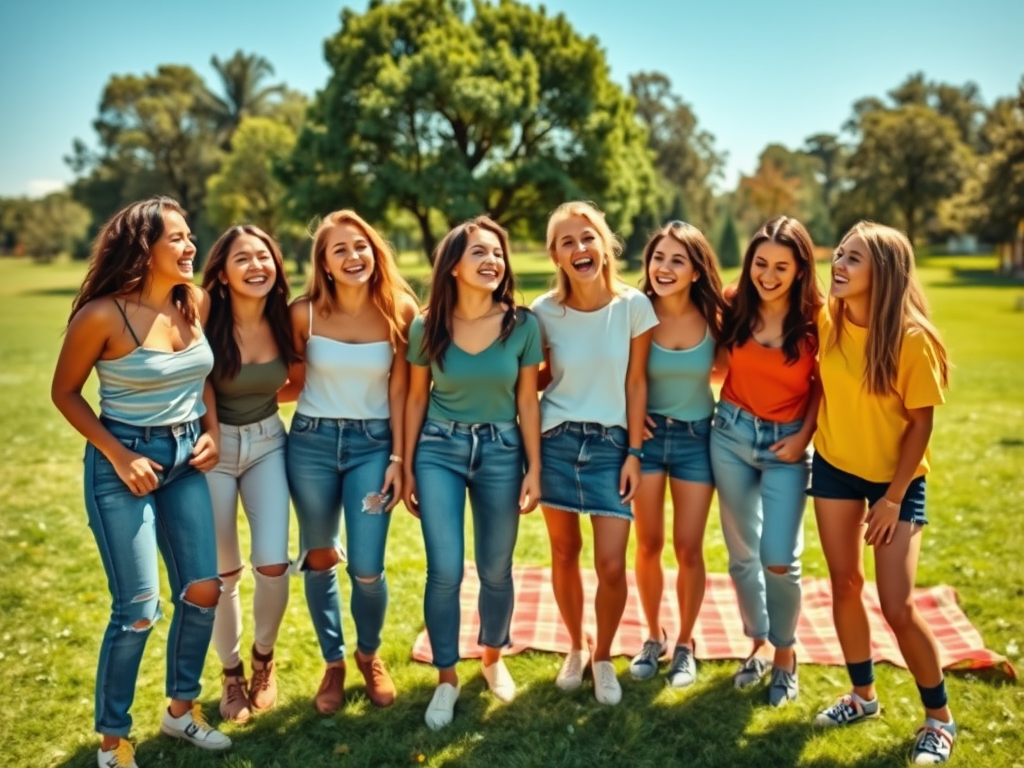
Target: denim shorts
[(581, 464), (830, 482), (680, 448)]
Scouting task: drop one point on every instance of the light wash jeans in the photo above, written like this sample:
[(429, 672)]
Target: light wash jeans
[(762, 502), (177, 519), (336, 466), (486, 460), (251, 466)]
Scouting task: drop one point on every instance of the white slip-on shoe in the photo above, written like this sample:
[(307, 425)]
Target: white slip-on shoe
[(441, 709), (499, 680)]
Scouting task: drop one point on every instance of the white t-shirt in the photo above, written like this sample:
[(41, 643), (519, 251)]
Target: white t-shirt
[(589, 355)]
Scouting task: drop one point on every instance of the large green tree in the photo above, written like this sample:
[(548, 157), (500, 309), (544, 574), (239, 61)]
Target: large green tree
[(245, 189), (154, 138), (431, 108), (998, 199), (684, 154), (50, 226), (907, 161)]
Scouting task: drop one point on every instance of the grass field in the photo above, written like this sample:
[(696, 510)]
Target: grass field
[(54, 602)]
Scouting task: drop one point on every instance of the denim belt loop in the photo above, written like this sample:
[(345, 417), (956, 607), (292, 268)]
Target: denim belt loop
[(732, 412)]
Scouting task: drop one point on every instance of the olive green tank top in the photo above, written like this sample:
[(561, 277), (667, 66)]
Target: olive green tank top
[(250, 396)]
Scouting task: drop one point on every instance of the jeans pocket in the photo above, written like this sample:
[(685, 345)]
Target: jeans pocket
[(433, 431), (301, 424), (720, 422), (378, 431), (617, 437), (510, 438)]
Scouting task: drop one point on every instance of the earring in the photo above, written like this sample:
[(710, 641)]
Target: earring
[(330, 277)]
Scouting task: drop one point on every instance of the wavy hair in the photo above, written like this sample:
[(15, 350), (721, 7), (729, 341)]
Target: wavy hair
[(437, 318), (805, 299), (220, 325), (386, 284), (611, 246), (119, 260), (706, 292), (897, 305)]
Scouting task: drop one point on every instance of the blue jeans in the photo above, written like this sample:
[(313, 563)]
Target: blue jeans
[(486, 460), (761, 500), (177, 519), (337, 465)]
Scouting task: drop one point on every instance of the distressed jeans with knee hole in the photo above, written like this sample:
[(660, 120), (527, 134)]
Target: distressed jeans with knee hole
[(335, 467), (251, 466), (177, 520), (761, 499)]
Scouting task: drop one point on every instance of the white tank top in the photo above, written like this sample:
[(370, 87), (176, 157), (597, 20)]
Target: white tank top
[(345, 381)]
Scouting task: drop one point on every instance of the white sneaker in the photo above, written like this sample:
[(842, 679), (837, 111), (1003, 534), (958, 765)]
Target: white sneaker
[(121, 756), (442, 706), (606, 684), (570, 676), (193, 728), (499, 680)]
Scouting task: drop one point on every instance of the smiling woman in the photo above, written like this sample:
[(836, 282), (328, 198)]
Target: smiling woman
[(250, 332), (137, 321)]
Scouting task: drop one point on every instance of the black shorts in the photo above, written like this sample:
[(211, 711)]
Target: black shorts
[(830, 482)]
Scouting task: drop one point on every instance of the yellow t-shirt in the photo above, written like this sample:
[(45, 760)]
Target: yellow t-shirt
[(860, 432)]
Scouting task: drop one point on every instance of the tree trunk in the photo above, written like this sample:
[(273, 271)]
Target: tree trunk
[(429, 241)]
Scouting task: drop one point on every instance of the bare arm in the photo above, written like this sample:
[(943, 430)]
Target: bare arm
[(884, 513), (544, 372), (528, 408), (398, 389), (636, 411), (415, 411), (289, 393)]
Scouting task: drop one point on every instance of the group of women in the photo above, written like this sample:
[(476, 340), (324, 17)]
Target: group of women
[(425, 406)]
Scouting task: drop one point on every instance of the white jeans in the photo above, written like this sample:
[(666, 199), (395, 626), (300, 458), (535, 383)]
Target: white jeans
[(252, 464)]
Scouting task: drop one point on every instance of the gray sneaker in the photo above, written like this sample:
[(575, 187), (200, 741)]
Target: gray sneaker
[(753, 669), (644, 665), (933, 745), (845, 711), (783, 687), (683, 671)]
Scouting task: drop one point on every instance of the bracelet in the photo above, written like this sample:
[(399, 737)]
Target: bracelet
[(635, 452), (394, 457), (892, 504)]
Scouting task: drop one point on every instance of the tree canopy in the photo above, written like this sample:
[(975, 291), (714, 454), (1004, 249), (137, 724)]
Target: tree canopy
[(504, 110)]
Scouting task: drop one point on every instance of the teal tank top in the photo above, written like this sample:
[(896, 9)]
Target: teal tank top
[(152, 388), (679, 381)]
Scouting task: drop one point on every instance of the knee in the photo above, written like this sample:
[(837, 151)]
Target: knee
[(280, 569), (689, 555), (649, 547), (321, 559), (610, 570), (898, 614), (141, 613), (847, 586), (495, 574), (566, 552), (778, 570), (445, 575), (203, 594)]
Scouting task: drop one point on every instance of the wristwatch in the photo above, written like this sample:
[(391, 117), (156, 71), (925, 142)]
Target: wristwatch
[(638, 452)]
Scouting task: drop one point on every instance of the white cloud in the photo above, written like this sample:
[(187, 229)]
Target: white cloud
[(43, 187)]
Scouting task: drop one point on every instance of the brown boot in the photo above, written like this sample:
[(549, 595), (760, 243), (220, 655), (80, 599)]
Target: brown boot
[(380, 688), (331, 695), (263, 686), (234, 701)]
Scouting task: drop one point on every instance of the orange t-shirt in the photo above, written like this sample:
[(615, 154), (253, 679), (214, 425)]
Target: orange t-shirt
[(760, 381)]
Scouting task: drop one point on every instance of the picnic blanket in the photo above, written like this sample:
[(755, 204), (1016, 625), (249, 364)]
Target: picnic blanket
[(537, 626)]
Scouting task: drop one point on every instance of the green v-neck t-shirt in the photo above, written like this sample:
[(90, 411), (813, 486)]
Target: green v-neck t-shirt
[(480, 388)]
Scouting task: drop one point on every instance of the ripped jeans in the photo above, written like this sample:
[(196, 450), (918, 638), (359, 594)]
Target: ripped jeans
[(337, 466), (177, 519)]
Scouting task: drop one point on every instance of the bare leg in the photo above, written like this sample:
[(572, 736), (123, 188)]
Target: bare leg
[(566, 578)]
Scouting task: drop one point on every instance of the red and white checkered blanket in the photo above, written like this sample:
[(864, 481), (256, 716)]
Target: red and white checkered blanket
[(719, 634)]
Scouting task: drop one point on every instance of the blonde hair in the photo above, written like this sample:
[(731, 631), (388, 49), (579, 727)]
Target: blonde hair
[(386, 284), (611, 246), (897, 305)]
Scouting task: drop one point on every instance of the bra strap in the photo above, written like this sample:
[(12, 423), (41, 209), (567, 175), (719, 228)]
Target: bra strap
[(127, 324)]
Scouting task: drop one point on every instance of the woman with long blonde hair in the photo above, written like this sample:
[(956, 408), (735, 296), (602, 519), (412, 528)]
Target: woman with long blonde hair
[(597, 336), (883, 370)]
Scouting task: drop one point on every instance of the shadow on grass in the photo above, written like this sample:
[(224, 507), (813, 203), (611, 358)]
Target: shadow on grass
[(70, 291)]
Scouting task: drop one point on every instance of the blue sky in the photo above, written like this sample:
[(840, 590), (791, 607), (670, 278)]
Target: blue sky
[(754, 72)]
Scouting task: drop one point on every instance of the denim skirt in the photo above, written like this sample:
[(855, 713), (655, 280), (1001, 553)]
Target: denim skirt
[(581, 464)]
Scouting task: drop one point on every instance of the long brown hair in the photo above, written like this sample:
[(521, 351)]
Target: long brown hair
[(611, 246), (386, 284), (437, 319), (119, 260), (805, 299), (706, 291), (897, 305), (220, 325)]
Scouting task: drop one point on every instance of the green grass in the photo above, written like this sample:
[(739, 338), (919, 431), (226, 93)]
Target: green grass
[(54, 602)]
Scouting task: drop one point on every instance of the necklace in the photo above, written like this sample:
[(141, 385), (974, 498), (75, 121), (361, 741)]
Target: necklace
[(490, 313)]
